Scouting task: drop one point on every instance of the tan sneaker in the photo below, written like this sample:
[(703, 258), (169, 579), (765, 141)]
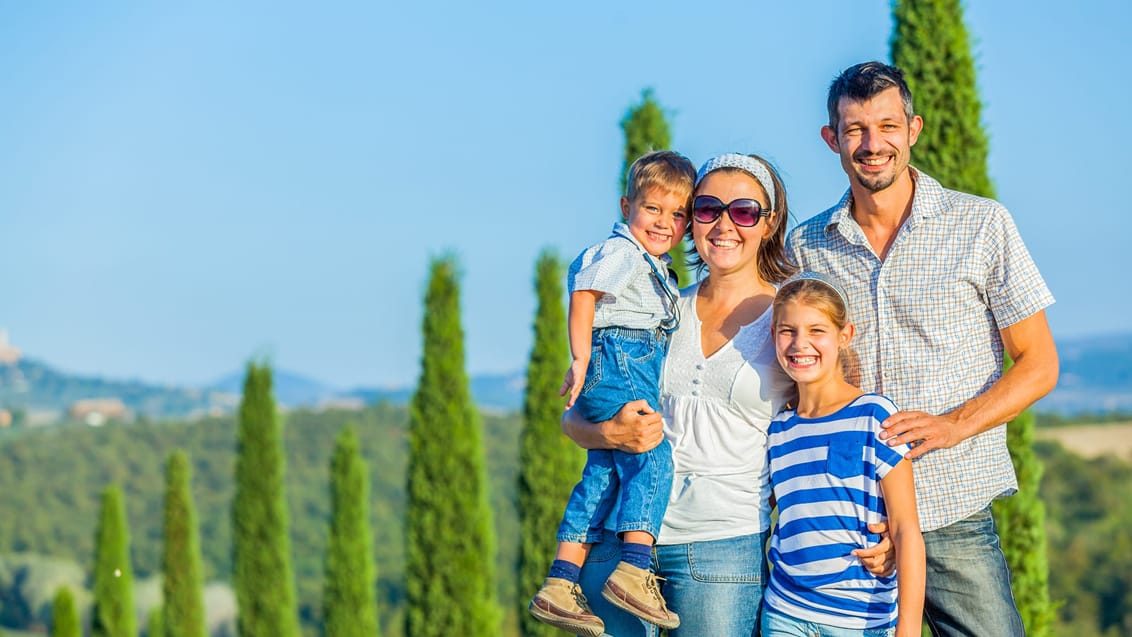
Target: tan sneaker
[(634, 591), (560, 603)]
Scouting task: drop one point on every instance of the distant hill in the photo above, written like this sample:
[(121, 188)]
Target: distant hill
[(1096, 377), (493, 392), (35, 387), (291, 389), (45, 392)]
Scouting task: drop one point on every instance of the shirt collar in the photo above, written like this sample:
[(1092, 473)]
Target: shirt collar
[(928, 199), (621, 229)]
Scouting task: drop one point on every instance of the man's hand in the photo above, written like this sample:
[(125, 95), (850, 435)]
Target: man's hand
[(879, 559), (923, 432), (575, 378)]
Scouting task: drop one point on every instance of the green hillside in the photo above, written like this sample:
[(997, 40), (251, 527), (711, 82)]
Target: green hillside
[(50, 480), (53, 477)]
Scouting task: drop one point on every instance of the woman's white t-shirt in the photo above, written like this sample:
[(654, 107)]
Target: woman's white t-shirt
[(716, 413)]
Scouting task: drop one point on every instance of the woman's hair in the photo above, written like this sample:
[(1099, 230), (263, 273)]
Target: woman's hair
[(773, 264)]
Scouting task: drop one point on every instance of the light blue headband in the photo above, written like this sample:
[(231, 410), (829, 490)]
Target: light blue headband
[(749, 165), (824, 279)]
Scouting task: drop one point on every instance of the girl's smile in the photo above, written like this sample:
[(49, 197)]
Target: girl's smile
[(808, 343)]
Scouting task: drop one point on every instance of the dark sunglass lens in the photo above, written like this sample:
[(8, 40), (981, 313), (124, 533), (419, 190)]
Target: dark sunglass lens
[(745, 212), (706, 209)]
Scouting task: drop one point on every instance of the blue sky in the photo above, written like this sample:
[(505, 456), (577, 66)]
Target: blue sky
[(188, 185)]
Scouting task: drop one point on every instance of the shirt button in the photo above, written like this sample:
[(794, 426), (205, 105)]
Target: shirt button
[(699, 366), (695, 381), (695, 392)]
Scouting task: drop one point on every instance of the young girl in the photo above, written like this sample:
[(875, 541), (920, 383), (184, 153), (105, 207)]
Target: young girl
[(832, 476)]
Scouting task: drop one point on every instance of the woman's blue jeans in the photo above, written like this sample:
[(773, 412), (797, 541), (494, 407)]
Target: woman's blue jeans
[(716, 587)]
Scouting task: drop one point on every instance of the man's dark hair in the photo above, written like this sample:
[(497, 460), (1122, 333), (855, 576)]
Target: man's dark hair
[(865, 81)]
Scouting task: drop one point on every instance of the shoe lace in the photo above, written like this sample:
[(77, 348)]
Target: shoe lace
[(579, 596), (654, 588)]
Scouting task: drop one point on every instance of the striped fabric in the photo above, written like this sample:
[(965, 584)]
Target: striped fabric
[(826, 476), (928, 324)]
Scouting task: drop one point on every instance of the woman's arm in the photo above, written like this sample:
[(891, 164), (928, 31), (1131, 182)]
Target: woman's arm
[(899, 493), (634, 429)]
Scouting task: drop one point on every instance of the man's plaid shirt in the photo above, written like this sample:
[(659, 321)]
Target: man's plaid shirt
[(928, 320)]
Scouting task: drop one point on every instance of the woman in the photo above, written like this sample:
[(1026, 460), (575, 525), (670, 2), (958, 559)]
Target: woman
[(720, 387)]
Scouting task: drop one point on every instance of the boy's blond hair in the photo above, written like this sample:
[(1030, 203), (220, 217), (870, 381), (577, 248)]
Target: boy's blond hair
[(664, 169)]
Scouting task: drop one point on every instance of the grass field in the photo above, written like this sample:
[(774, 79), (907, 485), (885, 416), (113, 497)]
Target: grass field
[(1091, 441)]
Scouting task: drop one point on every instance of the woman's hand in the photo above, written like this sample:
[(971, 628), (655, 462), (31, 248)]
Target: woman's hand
[(636, 428), (880, 558)]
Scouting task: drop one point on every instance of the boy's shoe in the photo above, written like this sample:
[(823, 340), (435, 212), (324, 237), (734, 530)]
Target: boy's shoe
[(634, 591), (560, 603)]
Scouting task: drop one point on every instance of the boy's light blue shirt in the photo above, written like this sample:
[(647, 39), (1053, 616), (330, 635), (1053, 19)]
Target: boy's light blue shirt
[(631, 296)]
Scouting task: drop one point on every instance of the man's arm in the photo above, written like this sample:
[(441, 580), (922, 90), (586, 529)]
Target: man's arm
[(1034, 373)]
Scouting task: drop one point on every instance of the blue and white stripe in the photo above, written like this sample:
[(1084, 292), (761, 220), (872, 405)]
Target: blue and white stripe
[(826, 476)]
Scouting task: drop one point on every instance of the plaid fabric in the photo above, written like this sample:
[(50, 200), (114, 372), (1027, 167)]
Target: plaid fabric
[(621, 269), (928, 319)]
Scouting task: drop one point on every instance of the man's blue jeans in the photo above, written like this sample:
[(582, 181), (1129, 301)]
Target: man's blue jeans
[(716, 587), (624, 366), (968, 584)]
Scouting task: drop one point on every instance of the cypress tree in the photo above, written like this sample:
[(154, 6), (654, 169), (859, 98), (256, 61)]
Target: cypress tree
[(182, 584), (64, 615), (931, 44), (549, 463), (113, 611), (155, 626), (1021, 527), (349, 601), (265, 589), (646, 130), (450, 553)]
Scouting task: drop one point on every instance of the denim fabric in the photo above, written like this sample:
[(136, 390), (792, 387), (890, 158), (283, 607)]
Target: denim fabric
[(775, 624), (625, 366), (643, 482), (716, 587), (968, 584)]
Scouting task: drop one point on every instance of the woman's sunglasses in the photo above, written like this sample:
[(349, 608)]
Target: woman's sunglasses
[(743, 212)]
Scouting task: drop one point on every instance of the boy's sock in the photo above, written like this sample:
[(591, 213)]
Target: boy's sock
[(566, 570), (639, 555)]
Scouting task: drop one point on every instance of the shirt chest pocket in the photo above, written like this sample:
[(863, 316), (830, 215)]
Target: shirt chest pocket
[(846, 458)]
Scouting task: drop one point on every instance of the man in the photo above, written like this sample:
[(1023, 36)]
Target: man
[(940, 283)]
